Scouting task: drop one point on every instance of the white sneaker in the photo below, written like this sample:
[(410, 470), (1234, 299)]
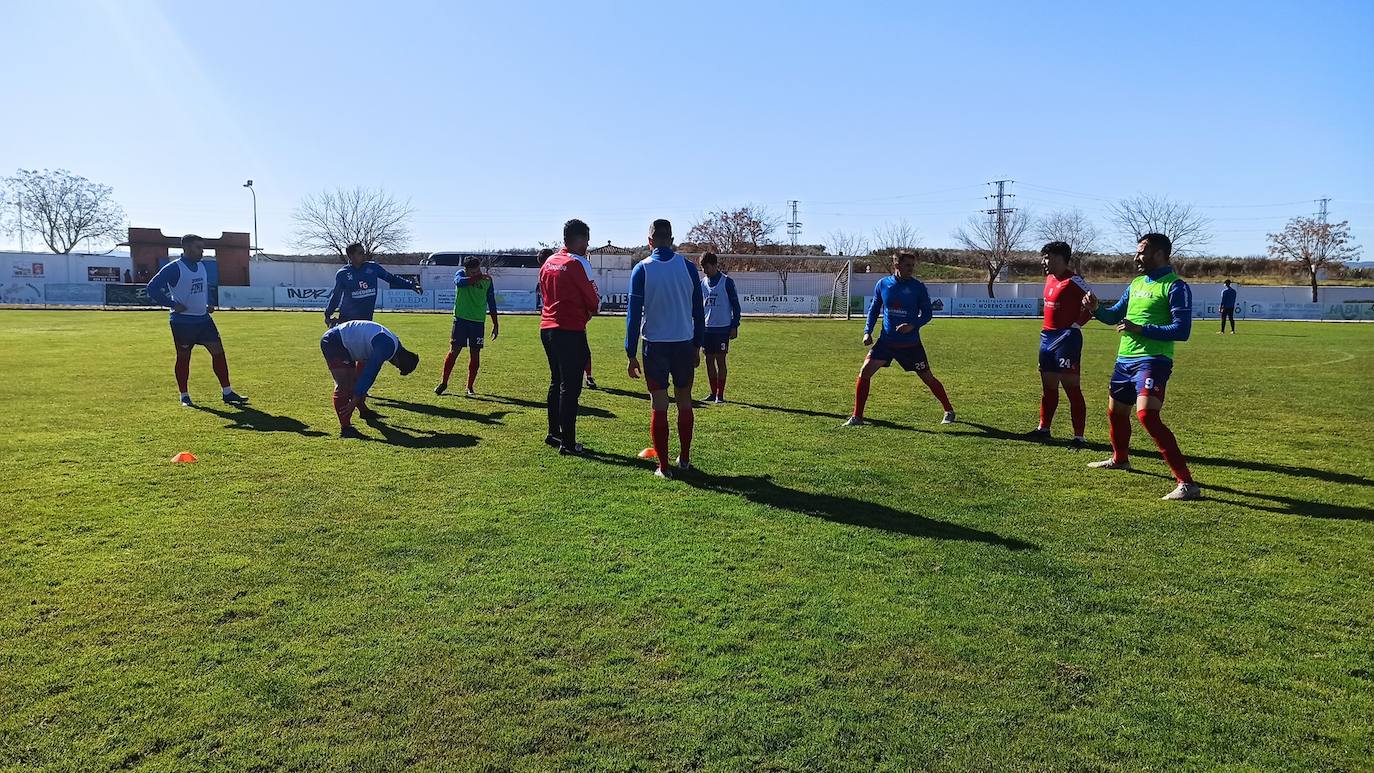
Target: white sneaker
[(1185, 491), (659, 472), (853, 421), (682, 464), (471, 393), (949, 418), (1110, 463)]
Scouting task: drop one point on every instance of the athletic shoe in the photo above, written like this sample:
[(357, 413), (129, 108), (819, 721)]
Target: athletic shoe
[(552, 441), (720, 400), (853, 421), (1111, 463), (1078, 444), (1185, 491), (1039, 433), (471, 393), (443, 387), (708, 400), (350, 432), (661, 472), (367, 414), (591, 383), (576, 449), (186, 402), (683, 464), (949, 418), (233, 398)]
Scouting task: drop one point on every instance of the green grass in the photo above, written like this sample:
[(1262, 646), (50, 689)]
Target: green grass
[(898, 597)]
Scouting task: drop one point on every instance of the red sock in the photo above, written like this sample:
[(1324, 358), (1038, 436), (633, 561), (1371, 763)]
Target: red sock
[(449, 359), (182, 369), (715, 386), (589, 366), (474, 362), (938, 389), (1168, 446), (658, 430), (860, 396), (341, 397), (686, 419), (1049, 403), (1078, 410), (720, 384), (221, 367), (1120, 432)]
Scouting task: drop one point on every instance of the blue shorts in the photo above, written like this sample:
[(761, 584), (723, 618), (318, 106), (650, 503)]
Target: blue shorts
[(1061, 350), (335, 353), (1147, 376), (912, 357), (717, 340), (188, 334), (675, 359), (467, 333)]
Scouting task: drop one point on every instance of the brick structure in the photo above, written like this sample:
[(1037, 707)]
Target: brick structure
[(149, 247)]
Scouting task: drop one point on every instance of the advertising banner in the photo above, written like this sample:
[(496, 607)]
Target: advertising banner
[(754, 303), (245, 297), (21, 292), (515, 300), (102, 274), (127, 295), (28, 270), (615, 303), (82, 294), (996, 307), (1278, 310), (408, 300), (1349, 310), (301, 297)]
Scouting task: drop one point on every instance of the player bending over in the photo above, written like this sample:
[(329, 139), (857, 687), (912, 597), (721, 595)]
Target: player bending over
[(364, 343), (904, 303), (1061, 342), (184, 286), (355, 294), (474, 293), (722, 323)]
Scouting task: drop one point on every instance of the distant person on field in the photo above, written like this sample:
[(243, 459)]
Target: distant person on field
[(355, 294), (1154, 312), (355, 352), (1061, 342), (184, 286), (1228, 308), (475, 293), (570, 301), (904, 304), (665, 309), (722, 323)]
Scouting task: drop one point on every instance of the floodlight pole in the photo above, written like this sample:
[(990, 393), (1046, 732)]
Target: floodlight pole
[(249, 186)]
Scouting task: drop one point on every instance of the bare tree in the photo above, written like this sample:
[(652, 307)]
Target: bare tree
[(742, 231), (1070, 226), (1313, 245), (64, 208), (332, 220), (894, 237), (1185, 227), (994, 239), (848, 243)]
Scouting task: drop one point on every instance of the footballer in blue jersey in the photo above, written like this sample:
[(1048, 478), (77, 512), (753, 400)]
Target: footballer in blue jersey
[(904, 305), (356, 286)]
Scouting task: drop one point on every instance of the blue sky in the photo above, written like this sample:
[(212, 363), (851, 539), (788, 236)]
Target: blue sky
[(501, 120)]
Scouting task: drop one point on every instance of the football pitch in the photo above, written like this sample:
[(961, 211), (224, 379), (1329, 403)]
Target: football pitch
[(450, 593)]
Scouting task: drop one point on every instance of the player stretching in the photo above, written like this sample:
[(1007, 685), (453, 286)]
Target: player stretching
[(184, 286), (355, 294), (722, 323), (905, 305), (1154, 312), (1061, 342), (665, 308), (360, 343), (475, 292)]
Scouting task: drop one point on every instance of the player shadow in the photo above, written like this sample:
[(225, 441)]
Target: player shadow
[(441, 411), (582, 409), (1278, 504), (250, 418), (839, 417), (409, 437), (985, 430)]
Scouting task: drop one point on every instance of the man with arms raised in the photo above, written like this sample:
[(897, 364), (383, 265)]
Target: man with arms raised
[(569, 301), (1154, 312), (665, 308), (722, 322), (1061, 342), (355, 352)]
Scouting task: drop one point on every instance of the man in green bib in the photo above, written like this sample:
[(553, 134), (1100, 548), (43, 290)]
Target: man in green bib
[(474, 293), (1154, 312)]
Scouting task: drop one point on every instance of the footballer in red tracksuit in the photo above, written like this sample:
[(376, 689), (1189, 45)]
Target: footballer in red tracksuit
[(1061, 341)]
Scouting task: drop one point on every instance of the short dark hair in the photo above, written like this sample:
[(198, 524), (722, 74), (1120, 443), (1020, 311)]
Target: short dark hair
[(472, 261), (1061, 249), (897, 258), (191, 239), (709, 259), (545, 254), (352, 248), (1158, 242), (576, 229), (405, 361), (662, 230), (1227, 283)]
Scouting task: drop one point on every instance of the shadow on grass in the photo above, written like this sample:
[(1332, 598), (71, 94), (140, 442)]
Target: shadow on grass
[(985, 430), (250, 418), (409, 437), (441, 411), (1290, 505), (838, 417), (583, 409), (760, 489)]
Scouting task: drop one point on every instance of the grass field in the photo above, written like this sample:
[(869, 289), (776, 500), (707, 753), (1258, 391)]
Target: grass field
[(452, 595)]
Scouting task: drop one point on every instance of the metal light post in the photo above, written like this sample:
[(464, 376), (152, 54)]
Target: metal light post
[(249, 186)]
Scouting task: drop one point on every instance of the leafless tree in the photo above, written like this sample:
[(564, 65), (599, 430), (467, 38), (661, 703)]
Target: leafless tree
[(848, 243), (1313, 245), (63, 208), (742, 231), (994, 240), (332, 220), (1186, 228), (1070, 226), (897, 236)]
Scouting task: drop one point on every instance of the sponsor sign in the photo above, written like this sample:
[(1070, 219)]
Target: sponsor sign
[(754, 303), (995, 307), (245, 297), (1349, 310), (1278, 310), (301, 297), (515, 300), (82, 294), (29, 270), (1214, 310), (21, 292), (615, 302), (940, 305), (408, 300), (127, 295), (103, 274)]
